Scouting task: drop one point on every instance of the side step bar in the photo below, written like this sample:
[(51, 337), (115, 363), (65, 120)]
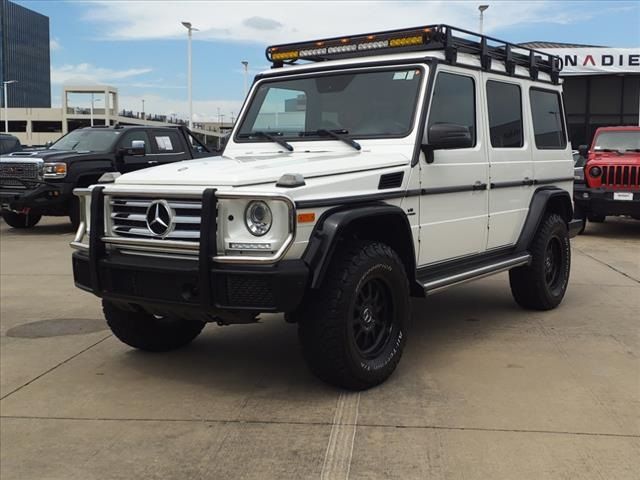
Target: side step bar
[(442, 282)]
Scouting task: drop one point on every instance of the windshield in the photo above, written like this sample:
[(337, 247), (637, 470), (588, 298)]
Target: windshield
[(87, 140), (618, 140), (364, 104)]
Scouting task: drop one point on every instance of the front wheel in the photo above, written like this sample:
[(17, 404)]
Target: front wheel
[(353, 330), (20, 220), (74, 212), (542, 284), (152, 333)]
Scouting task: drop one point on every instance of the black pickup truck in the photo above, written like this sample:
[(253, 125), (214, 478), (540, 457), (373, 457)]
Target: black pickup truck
[(34, 183)]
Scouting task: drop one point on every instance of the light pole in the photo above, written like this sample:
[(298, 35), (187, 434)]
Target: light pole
[(190, 29), (246, 73), (482, 8), (93, 100), (6, 107), (143, 117)]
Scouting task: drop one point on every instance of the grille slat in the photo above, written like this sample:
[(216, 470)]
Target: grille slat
[(128, 217), (617, 176)]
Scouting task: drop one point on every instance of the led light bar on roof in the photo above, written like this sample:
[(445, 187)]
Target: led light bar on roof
[(349, 46)]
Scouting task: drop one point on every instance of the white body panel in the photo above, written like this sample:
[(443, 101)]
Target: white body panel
[(455, 224)]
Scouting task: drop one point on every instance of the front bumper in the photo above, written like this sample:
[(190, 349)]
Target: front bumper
[(45, 198), (599, 201), (177, 285), (194, 286)]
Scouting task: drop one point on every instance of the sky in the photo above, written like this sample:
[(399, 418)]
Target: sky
[(140, 47)]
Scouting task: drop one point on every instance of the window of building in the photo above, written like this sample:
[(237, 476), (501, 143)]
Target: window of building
[(548, 128), (46, 126), (454, 101), (504, 104), (17, 126)]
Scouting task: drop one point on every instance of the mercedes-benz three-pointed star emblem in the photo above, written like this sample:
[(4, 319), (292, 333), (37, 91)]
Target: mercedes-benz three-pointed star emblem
[(160, 218)]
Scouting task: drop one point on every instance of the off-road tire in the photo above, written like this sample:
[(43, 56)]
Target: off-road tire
[(542, 284), (20, 220), (596, 218), (74, 212), (334, 327), (144, 331)]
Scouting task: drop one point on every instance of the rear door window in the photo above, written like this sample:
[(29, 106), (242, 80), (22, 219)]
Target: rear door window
[(504, 105), (166, 142)]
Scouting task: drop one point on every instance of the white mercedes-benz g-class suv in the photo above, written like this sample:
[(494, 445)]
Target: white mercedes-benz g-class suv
[(361, 171)]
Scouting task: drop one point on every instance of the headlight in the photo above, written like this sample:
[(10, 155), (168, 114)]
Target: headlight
[(55, 170), (595, 171), (258, 218)]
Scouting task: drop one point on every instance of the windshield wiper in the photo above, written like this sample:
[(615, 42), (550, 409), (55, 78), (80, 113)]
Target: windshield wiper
[(338, 135), (271, 137)]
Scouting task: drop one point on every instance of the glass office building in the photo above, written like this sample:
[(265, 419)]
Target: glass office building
[(24, 56)]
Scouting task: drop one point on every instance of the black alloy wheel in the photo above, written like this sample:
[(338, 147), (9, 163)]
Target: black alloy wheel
[(372, 317)]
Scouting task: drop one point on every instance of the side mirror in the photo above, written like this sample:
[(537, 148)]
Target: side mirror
[(446, 136), (137, 148), (583, 150)]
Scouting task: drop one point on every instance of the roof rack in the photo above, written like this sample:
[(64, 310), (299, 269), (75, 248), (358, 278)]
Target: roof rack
[(430, 37)]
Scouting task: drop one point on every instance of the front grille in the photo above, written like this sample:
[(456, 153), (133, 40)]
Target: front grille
[(11, 174), (128, 218), (617, 176)]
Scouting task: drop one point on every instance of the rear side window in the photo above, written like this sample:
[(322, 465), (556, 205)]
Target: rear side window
[(505, 115), (548, 126), (454, 101), (166, 142)]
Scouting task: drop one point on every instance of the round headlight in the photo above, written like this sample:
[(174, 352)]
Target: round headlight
[(595, 171), (258, 218)]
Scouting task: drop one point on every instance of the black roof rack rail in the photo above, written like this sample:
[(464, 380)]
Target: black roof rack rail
[(451, 40)]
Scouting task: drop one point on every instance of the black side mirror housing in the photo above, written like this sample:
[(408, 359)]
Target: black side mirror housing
[(446, 136), (583, 150)]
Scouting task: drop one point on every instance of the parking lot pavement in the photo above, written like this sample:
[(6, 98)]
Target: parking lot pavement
[(484, 390)]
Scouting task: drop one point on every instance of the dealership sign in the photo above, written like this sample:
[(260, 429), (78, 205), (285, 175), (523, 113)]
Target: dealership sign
[(597, 61)]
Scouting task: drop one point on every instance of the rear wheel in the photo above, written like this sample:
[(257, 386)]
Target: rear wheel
[(542, 284), (144, 331), (20, 220), (352, 330)]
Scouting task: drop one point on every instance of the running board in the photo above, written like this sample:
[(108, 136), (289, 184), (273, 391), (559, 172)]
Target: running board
[(456, 277)]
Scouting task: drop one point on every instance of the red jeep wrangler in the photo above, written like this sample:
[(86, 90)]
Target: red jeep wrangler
[(609, 183)]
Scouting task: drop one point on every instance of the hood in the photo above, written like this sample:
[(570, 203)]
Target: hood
[(257, 169), (614, 158), (46, 155)]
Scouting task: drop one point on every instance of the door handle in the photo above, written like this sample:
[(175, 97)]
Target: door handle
[(479, 186), (528, 181)]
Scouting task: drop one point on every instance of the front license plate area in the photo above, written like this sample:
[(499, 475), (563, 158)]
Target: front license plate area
[(624, 196)]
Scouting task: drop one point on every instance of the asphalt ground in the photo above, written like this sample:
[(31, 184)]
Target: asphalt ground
[(485, 390)]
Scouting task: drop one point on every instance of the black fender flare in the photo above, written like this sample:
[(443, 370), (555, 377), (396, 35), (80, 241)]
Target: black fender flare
[(335, 222), (544, 199)]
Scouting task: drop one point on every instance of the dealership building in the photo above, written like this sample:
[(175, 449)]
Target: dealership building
[(601, 86)]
